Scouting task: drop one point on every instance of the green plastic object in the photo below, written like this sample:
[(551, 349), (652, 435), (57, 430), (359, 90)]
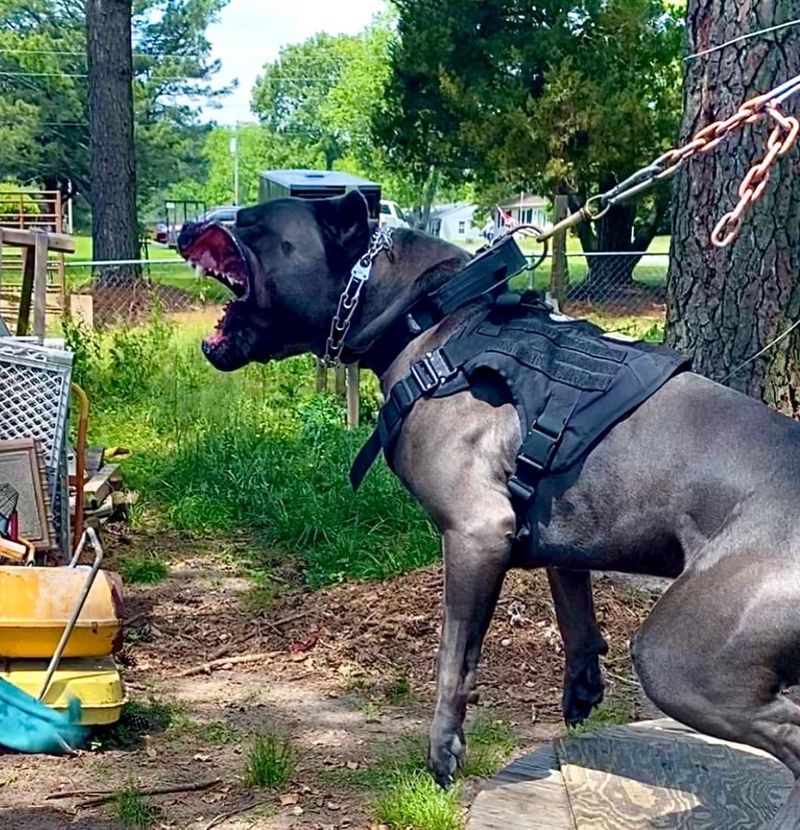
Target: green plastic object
[(27, 725)]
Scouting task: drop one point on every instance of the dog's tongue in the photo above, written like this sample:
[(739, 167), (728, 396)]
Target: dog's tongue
[(215, 339)]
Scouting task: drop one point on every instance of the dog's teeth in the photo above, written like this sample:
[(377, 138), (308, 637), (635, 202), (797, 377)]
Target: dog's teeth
[(199, 271)]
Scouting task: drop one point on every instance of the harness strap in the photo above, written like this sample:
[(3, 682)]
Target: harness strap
[(541, 443), (425, 377), (485, 272)]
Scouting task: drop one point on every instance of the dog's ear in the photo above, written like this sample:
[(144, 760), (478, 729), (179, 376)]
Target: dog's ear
[(344, 222)]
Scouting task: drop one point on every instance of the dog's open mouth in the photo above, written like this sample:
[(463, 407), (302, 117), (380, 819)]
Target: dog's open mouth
[(216, 252)]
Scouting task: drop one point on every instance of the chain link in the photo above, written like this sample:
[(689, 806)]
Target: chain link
[(783, 137), (348, 301)]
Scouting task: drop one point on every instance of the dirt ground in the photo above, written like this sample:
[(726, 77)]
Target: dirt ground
[(345, 672)]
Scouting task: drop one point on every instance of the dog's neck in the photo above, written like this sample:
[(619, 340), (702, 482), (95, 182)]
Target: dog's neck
[(417, 264)]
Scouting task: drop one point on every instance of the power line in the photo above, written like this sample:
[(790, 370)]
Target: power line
[(151, 77), (742, 38)]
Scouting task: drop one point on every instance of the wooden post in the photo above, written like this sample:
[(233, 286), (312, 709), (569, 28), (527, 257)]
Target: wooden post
[(24, 315), (340, 381), (40, 283), (559, 276), (81, 309), (322, 376), (353, 396)]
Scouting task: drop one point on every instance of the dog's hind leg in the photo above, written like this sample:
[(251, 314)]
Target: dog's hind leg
[(718, 651), (583, 642), (476, 557)]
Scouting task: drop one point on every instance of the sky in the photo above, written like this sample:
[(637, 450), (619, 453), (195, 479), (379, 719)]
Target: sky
[(251, 32)]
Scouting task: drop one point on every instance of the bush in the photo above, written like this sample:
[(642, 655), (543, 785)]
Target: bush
[(16, 201)]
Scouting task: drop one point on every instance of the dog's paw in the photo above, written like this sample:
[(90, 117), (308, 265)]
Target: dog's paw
[(583, 690), (445, 754)]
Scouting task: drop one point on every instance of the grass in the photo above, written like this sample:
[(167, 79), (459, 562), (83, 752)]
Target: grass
[(615, 711), (257, 451), (270, 762), (142, 569), (133, 810), (400, 691), (489, 743), (261, 594), (416, 801)]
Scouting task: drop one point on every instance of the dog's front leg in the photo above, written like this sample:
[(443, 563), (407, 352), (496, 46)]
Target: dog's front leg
[(476, 560), (583, 642)]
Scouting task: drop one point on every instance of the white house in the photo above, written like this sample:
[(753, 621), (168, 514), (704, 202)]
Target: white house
[(526, 209), (453, 222)]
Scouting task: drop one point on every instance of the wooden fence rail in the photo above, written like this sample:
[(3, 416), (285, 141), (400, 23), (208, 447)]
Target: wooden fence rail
[(32, 292)]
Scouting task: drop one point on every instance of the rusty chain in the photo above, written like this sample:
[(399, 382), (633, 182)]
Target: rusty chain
[(782, 138)]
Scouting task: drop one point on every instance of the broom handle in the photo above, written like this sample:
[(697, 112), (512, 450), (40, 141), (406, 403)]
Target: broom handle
[(89, 534)]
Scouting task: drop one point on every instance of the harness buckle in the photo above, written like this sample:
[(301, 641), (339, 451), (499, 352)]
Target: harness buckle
[(425, 375), (432, 370)]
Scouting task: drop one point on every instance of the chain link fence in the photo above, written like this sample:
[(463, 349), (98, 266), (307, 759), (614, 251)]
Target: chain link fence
[(603, 286), (108, 294)]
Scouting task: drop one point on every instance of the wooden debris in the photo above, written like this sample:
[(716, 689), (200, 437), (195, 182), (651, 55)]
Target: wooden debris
[(99, 487), (208, 667), (103, 796)]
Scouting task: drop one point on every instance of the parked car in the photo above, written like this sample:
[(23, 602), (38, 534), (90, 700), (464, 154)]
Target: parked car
[(392, 216), (160, 233), (224, 214)]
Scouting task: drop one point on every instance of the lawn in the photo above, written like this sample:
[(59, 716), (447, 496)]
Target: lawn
[(83, 250)]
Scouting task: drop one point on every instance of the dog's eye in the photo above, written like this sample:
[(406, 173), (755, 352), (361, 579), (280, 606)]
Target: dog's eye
[(286, 247)]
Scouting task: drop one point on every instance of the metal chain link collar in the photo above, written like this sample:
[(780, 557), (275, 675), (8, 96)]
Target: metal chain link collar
[(348, 301)]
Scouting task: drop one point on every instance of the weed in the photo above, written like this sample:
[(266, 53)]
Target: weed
[(142, 569), (400, 691), (614, 711), (416, 800), (138, 719), (371, 712), (261, 594), (489, 743), (270, 762), (133, 810), (259, 450), (218, 733)]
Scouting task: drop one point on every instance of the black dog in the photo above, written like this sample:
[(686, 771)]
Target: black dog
[(699, 483)]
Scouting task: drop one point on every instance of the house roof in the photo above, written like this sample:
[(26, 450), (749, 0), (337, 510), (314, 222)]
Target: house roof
[(529, 200), (440, 211)]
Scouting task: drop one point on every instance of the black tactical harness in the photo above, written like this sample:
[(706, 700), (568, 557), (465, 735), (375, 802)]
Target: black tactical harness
[(568, 380)]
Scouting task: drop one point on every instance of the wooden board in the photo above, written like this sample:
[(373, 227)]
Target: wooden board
[(528, 795), (656, 775)]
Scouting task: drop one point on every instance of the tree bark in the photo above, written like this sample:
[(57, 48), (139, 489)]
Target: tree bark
[(115, 232), (724, 305)]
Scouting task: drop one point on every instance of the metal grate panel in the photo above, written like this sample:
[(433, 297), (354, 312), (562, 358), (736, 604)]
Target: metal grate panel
[(34, 400)]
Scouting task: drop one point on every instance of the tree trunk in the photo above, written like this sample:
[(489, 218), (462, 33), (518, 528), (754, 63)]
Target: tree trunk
[(724, 305), (610, 278), (428, 197), (113, 169)]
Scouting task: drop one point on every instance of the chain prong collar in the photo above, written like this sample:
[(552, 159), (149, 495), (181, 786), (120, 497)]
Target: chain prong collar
[(348, 301)]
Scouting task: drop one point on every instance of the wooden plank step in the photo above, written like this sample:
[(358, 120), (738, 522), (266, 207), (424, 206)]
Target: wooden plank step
[(656, 775)]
